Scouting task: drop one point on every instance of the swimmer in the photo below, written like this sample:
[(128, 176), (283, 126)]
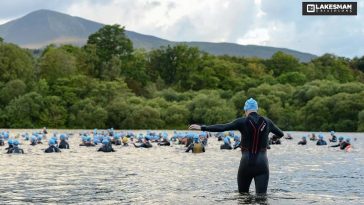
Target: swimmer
[(274, 140), (15, 149), (196, 146), (313, 137), (341, 139), (333, 137), (115, 139), (63, 144), (254, 130), (106, 146), (165, 141), (125, 140), (227, 143), (52, 147), (321, 140), (303, 141), (10, 144), (289, 136), (2, 142), (345, 144), (146, 143), (33, 140), (236, 142)]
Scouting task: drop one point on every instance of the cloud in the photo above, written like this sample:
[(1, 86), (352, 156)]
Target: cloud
[(263, 22)]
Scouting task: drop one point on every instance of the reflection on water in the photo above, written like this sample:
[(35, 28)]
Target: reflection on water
[(167, 175)]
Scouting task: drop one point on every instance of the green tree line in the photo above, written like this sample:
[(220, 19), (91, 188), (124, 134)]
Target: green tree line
[(108, 83)]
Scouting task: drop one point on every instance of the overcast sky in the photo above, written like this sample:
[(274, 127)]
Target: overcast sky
[(277, 23)]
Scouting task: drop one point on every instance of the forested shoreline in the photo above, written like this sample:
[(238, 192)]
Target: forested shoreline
[(108, 83)]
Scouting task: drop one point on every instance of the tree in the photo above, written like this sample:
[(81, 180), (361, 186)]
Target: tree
[(86, 114), (54, 114), (11, 90), (109, 41), (282, 63)]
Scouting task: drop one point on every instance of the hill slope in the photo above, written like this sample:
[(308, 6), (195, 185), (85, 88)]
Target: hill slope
[(42, 27)]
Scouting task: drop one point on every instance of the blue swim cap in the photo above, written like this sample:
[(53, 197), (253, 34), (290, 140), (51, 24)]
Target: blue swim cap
[(341, 138), (62, 137), (231, 133), (227, 140), (332, 132), (10, 141), (251, 104), (321, 136), (147, 138), (51, 142), (15, 142), (196, 138), (348, 139), (236, 137), (105, 142)]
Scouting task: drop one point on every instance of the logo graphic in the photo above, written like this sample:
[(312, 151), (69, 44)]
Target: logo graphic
[(329, 8)]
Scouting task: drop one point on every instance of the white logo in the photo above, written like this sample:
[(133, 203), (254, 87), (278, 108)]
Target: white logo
[(310, 8)]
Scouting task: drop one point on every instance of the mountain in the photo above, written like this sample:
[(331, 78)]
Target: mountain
[(40, 28)]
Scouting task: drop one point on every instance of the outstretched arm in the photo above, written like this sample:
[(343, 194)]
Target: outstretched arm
[(234, 125), (275, 130)]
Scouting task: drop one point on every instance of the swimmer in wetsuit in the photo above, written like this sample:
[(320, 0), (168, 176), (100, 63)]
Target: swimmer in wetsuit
[(165, 141), (227, 143), (333, 137), (196, 146), (321, 140), (303, 141), (52, 147), (274, 140), (106, 146), (146, 143), (345, 143), (341, 139), (254, 131), (63, 144), (10, 143), (15, 149)]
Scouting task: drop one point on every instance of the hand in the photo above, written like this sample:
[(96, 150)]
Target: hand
[(194, 127)]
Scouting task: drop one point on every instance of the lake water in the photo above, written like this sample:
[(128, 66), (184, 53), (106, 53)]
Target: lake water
[(167, 175)]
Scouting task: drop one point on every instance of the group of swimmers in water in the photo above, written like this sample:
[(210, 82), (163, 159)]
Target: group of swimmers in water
[(195, 142)]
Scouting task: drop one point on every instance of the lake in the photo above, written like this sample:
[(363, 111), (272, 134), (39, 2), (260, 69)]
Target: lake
[(167, 175)]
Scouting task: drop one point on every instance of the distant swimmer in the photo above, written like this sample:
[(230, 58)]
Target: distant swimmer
[(145, 144), (341, 139), (86, 141), (115, 138), (288, 137), (15, 149), (227, 143), (313, 137), (63, 144), (2, 141), (236, 142), (254, 130), (303, 141), (345, 144), (10, 144), (274, 140), (333, 137), (165, 141), (106, 146), (125, 141), (196, 146), (220, 136), (52, 147), (321, 140), (33, 140)]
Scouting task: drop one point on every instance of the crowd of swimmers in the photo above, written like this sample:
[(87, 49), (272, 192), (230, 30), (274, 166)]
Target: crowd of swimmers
[(193, 141)]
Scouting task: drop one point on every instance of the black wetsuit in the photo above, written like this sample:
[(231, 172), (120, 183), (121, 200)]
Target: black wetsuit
[(51, 149), (164, 143), (254, 131), (274, 141), (321, 142), (10, 147), (333, 139), (226, 146), (63, 145), (337, 145), (302, 142), (343, 145), (116, 142), (145, 145), (2, 143), (16, 150), (106, 148)]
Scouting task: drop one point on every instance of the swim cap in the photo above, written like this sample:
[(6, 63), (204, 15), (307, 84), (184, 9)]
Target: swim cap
[(348, 139), (251, 104), (236, 137), (321, 136), (227, 140), (195, 138), (304, 137), (231, 133), (341, 138), (147, 138), (15, 142), (10, 141), (332, 132), (105, 142), (62, 137), (51, 142)]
